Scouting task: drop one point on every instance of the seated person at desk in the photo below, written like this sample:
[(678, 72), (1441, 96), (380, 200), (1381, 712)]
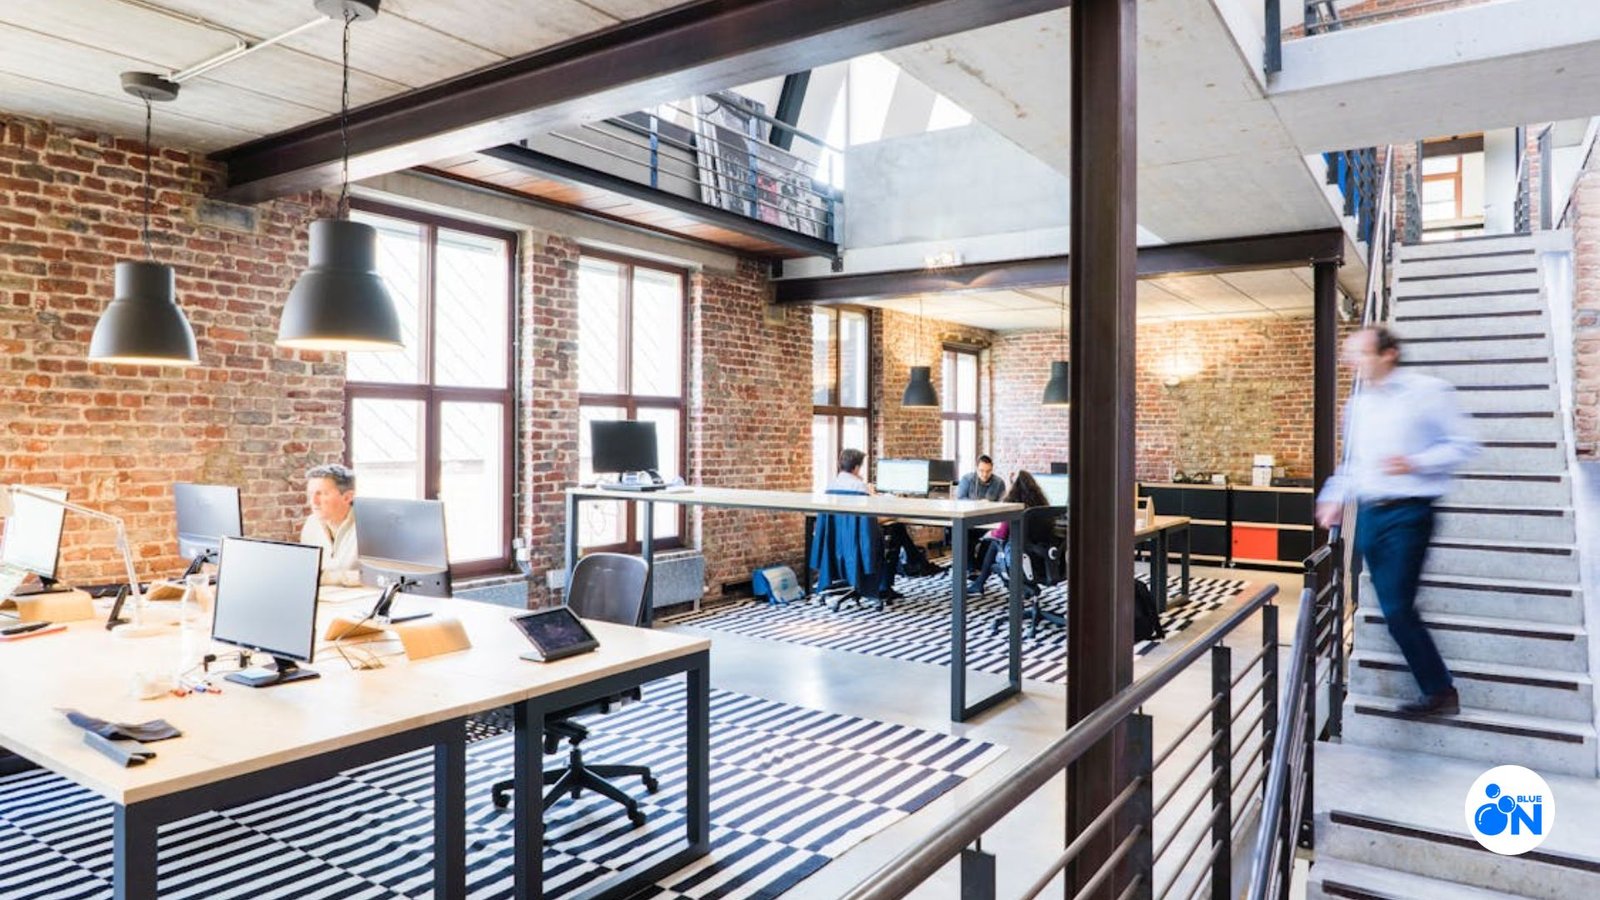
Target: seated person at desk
[(982, 484), (331, 492), (848, 480), (1026, 491)]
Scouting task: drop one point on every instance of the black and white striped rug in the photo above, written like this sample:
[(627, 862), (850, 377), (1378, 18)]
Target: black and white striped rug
[(917, 627), (791, 789)]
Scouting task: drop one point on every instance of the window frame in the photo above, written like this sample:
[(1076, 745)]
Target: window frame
[(833, 409), (631, 403), (433, 396), (949, 360)]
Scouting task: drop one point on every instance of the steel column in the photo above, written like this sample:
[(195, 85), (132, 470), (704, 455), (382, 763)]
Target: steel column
[(1100, 553), (1325, 374)]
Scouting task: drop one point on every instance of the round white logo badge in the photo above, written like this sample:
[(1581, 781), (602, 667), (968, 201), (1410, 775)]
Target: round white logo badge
[(1510, 810)]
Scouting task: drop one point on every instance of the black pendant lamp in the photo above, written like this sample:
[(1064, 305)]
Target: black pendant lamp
[(143, 324), (1058, 391), (340, 302), (919, 391)]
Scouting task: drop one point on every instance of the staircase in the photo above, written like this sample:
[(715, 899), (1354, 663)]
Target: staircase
[(1502, 598)]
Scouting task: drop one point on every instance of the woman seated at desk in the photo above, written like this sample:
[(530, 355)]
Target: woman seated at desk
[(1024, 490)]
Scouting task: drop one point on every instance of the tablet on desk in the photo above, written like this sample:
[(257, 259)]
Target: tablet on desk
[(555, 634)]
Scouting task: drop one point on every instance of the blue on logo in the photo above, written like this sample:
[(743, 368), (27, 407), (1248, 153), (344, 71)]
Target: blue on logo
[(1505, 811)]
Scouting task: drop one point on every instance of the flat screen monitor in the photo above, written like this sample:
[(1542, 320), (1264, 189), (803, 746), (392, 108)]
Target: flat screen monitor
[(1055, 488), (903, 476), (1059, 468), (942, 471), (33, 532), (623, 446), (267, 602), (207, 513), (403, 538)]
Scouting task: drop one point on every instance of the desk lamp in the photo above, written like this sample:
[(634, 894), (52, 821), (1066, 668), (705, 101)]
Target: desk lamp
[(137, 628)]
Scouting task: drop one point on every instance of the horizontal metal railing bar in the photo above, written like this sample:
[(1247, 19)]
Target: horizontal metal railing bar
[(897, 877), (1254, 692), (1194, 847), (1249, 795), (1177, 828), (1107, 869), (1317, 556), (1248, 732), (1065, 857), (1205, 711), (1244, 769), (1245, 670), (1132, 888), (1203, 882), (674, 142), (1202, 756), (775, 123)]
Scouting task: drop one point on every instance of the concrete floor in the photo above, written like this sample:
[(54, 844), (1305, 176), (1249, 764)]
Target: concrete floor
[(917, 694)]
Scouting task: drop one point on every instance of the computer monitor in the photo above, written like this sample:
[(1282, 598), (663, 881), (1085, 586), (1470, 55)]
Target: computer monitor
[(403, 539), (267, 602), (1055, 488), (207, 513), (623, 446), (903, 476), (33, 537), (942, 471), (1059, 468)]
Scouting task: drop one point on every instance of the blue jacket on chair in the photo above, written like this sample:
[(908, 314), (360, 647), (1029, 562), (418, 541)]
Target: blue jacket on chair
[(848, 547)]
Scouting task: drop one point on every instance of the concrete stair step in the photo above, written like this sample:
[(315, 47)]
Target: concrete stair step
[(1528, 370), (1504, 641), (1499, 558), (1541, 743), (1492, 398), (1491, 598), (1345, 880), (1517, 426), (1483, 485), (1510, 345), (1547, 524), (1475, 246), (1421, 326), (1556, 693), (1470, 303), (1405, 812), (1477, 262), (1513, 277), (1521, 456)]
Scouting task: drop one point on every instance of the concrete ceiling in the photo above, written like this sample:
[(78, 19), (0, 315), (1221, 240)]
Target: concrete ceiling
[(60, 59), (1214, 159), (1256, 294)]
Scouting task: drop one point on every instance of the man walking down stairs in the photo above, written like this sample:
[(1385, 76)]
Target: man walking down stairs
[(1500, 592)]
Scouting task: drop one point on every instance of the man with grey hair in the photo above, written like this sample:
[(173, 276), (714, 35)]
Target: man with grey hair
[(331, 492)]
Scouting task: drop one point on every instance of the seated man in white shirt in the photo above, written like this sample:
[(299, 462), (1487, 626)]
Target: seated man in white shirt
[(331, 492)]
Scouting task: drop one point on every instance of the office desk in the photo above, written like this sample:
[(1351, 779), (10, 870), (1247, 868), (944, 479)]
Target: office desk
[(248, 743), (1159, 534), (960, 513)]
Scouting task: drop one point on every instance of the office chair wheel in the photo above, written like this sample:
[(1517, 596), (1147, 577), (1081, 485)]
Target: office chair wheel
[(501, 797), (651, 785), (636, 817)]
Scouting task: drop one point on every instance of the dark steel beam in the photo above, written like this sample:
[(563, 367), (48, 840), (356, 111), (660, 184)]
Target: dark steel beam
[(681, 52), (555, 167), (790, 99), (1100, 553), (1265, 251), (1325, 373)]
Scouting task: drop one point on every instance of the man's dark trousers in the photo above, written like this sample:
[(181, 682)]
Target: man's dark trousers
[(1393, 538)]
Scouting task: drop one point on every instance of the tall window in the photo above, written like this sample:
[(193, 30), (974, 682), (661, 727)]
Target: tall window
[(434, 421), (1441, 189), (960, 408), (840, 408), (630, 366)]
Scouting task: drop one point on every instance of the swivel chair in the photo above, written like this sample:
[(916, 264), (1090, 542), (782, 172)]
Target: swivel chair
[(608, 587), (1043, 565)]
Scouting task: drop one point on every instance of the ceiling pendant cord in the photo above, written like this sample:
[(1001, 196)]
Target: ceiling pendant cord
[(149, 248), (344, 120)]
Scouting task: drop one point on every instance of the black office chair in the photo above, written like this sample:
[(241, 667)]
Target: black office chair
[(1044, 564), (873, 590), (608, 587)]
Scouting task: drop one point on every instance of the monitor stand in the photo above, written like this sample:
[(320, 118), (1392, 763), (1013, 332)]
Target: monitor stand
[(383, 612), (45, 586), (203, 557), (282, 671)]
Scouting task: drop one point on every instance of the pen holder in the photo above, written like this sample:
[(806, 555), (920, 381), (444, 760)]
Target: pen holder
[(432, 636), (66, 606)]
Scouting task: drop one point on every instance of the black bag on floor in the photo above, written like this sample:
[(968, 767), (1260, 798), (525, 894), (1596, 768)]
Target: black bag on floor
[(914, 562), (1146, 621)]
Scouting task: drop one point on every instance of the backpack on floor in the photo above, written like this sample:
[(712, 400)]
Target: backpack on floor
[(914, 562), (1146, 621)]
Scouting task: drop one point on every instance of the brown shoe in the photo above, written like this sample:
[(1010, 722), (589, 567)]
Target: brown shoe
[(1444, 703)]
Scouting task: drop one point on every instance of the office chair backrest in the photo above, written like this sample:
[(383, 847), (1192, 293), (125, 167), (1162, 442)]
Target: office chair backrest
[(609, 587)]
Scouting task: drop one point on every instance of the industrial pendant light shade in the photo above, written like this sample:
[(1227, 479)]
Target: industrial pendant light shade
[(340, 302), (143, 324), (1058, 391), (919, 392)]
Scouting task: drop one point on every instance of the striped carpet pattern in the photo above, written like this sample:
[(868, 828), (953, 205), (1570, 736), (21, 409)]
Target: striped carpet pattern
[(791, 789), (917, 628)]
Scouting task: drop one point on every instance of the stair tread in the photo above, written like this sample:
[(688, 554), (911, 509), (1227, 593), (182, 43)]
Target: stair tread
[(1477, 666), (1435, 792), (1439, 618), (1392, 883), (1481, 581), (1472, 715), (1502, 544), (1453, 505)]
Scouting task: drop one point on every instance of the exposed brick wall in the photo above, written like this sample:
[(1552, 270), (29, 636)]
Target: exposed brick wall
[(250, 414), (749, 418), (1585, 225), (1027, 435), (897, 344)]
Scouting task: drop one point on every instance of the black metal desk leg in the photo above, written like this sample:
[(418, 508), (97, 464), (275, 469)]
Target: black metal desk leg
[(527, 803), (649, 546), (1188, 541), (573, 504), (697, 781), (1014, 607), (958, 623), (450, 815), (133, 843), (1158, 570)]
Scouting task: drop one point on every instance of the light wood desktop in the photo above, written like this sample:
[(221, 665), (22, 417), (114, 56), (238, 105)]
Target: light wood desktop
[(243, 742)]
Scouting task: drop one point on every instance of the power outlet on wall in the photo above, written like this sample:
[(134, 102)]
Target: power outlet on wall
[(555, 579)]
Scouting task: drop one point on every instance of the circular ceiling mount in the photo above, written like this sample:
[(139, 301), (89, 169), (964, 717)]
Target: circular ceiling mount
[(149, 86), (356, 9)]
